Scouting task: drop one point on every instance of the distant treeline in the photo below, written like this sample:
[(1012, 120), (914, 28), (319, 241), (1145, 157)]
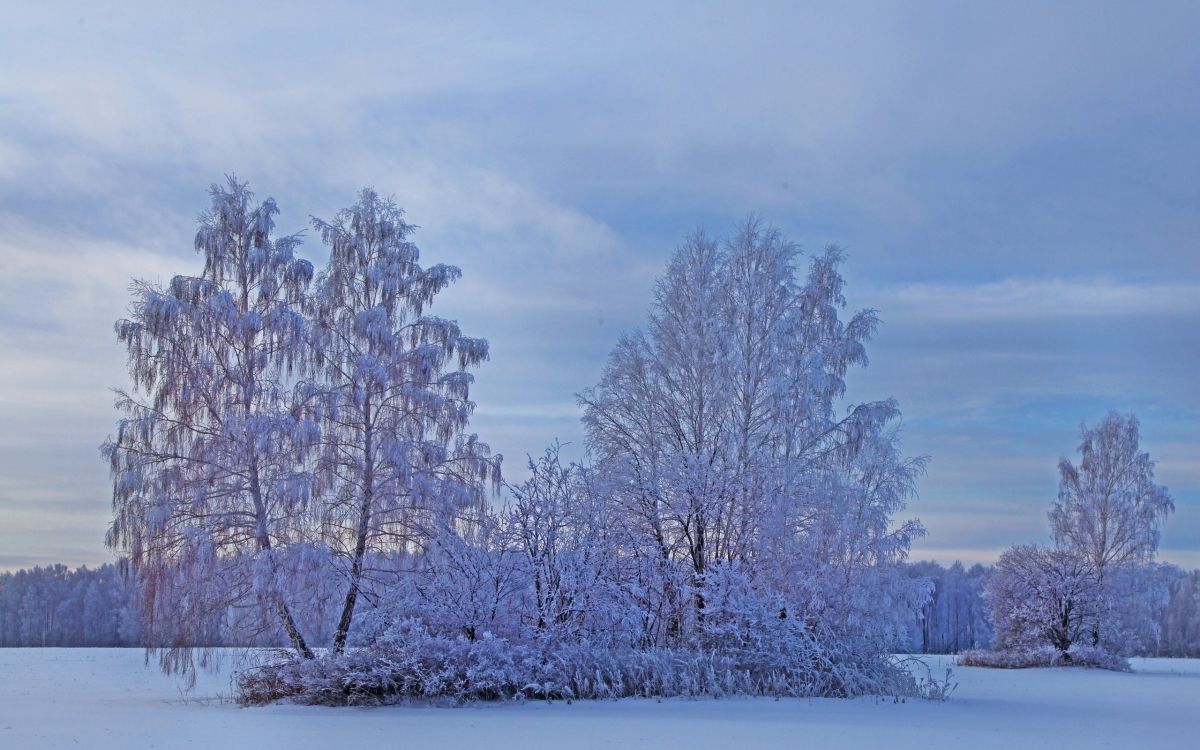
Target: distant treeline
[(58, 606), (955, 618)]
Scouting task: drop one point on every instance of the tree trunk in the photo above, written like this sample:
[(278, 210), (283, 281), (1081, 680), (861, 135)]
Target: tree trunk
[(360, 542), (264, 545)]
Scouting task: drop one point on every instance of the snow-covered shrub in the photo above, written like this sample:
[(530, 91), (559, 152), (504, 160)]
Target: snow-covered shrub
[(1039, 597), (468, 583), (410, 662), (1078, 655), (462, 630), (930, 687), (564, 536), (1047, 609), (1087, 655)]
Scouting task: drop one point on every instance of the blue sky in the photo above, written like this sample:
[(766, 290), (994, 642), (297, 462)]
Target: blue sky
[(1016, 185)]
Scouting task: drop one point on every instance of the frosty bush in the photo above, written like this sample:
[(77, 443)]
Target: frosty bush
[(411, 662), (1042, 597), (1043, 656)]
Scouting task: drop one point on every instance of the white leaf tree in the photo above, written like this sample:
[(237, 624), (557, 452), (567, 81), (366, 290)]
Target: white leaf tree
[(209, 482), (391, 393), (1041, 597), (717, 432), (1097, 580), (1109, 509)]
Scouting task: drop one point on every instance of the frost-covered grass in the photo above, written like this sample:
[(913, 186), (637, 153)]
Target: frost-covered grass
[(778, 659), (106, 698), (1044, 656)]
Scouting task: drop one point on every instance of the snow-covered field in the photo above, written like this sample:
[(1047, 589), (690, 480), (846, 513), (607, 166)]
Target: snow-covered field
[(106, 698)]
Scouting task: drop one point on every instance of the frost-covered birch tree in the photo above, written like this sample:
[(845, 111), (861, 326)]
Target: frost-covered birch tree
[(1109, 509), (391, 393), (718, 433), (209, 481), (1098, 580)]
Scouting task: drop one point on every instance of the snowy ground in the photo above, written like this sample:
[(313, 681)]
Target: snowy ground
[(105, 698)]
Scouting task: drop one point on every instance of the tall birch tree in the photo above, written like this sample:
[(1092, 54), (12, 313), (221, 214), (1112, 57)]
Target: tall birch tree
[(391, 392), (209, 481)]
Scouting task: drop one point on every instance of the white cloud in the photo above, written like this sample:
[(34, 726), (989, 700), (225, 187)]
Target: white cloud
[(1029, 298)]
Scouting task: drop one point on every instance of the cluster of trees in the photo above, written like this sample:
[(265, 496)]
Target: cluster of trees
[(295, 451), (103, 607), (293, 465), (1179, 625), (1093, 594), (290, 435), (955, 616), (55, 606)]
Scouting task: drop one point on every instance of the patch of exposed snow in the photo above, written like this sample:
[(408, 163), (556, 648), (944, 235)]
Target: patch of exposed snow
[(106, 699)]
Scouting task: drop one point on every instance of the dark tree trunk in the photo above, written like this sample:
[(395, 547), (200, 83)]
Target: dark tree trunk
[(360, 542)]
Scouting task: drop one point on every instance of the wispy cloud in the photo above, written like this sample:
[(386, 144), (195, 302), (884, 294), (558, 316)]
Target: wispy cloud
[(1029, 298)]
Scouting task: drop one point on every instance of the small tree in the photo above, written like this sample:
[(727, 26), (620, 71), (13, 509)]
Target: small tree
[(1040, 597), (563, 535)]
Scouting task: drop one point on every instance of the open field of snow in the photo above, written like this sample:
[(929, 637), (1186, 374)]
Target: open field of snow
[(106, 698)]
